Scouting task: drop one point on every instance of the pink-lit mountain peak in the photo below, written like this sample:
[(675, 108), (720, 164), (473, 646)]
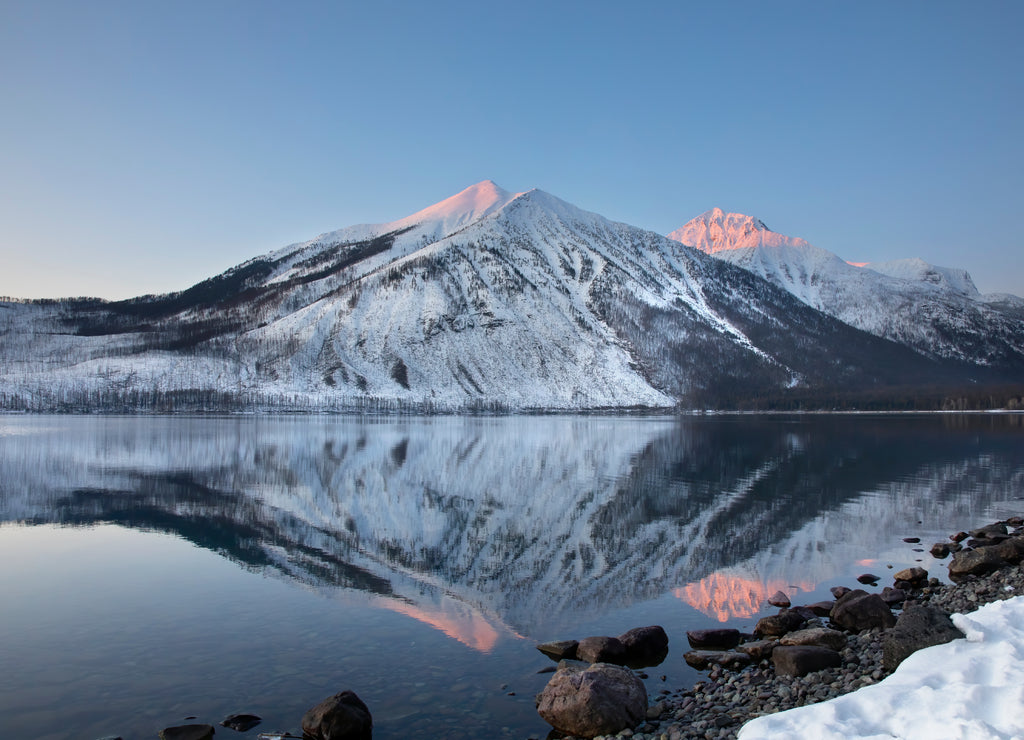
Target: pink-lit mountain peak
[(472, 204), (717, 231)]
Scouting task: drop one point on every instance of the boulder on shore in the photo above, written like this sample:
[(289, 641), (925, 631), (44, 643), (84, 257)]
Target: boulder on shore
[(339, 717), (975, 562), (918, 627), (799, 660), (703, 659), (817, 637), (602, 699), (779, 624), (859, 610)]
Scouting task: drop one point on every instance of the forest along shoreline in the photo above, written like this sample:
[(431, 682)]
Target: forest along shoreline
[(804, 654)]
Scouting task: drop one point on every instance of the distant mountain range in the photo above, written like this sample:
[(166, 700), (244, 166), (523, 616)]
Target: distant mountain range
[(518, 301)]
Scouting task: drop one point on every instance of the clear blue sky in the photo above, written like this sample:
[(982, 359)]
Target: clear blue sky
[(147, 145)]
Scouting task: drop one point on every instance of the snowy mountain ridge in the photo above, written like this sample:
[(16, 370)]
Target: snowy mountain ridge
[(937, 311), (488, 299)]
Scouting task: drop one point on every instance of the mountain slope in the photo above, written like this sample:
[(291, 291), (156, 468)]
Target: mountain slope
[(488, 299), (935, 310)]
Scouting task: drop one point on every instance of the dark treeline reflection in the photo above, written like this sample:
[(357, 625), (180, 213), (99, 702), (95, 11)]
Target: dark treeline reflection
[(530, 519)]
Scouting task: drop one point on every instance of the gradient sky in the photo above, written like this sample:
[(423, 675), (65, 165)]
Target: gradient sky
[(145, 146)]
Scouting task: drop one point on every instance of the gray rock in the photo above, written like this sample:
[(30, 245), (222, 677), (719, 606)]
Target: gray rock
[(799, 660), (998, 528), (340, 717), (859, 610), (822, 608), (838, 591), (779, 624), (779, 599), (603, 699), (940, 550), (1011, 549), (816, 636), (713, 639), (601, 649), (918, 627), (188, 732), (559, 649), (645, 645), (975, 562), (703, 659)]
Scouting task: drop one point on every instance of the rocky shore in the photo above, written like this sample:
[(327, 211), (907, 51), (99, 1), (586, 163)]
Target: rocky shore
[(985, 568)]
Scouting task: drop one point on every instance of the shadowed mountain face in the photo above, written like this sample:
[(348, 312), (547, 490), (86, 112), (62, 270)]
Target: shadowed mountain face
[(520, 524), (486, 300)]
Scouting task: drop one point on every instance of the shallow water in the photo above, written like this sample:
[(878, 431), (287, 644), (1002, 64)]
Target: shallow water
[(162, 568)]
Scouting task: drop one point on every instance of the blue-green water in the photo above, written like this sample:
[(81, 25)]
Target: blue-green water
[(162, 568)]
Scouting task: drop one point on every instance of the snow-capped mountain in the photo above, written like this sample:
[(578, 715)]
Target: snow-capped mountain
[(487, 299), (937, 311)]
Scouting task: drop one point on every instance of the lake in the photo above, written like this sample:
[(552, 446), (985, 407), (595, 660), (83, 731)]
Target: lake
[(159, 568)]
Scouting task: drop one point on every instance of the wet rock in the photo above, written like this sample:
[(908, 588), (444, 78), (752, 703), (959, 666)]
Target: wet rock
[(868, 579), (703, 659), (839, 591), (912, 576), (912, 540), (989, 531), (645, 645), (241, 722), (816, 636), (559, 649), (188, 732), (603, 699), (776, 625), (601, 649), (959, 536), (918, 627), (779, 599), (799, 660), (940, 550), (758, 650), (974, 562), (713, 639), (340, 717), (859, 610)]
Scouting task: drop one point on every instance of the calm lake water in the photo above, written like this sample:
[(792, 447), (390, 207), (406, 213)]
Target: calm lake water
[(162, 568)]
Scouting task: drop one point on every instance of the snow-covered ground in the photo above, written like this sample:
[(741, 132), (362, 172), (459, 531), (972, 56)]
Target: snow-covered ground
[(969, 689)]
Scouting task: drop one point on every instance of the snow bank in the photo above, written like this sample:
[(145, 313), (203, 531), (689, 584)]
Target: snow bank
[(969, 689)]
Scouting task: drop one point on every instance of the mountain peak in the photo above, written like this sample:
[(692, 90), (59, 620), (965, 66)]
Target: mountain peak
[(472, 204), (715, 231)]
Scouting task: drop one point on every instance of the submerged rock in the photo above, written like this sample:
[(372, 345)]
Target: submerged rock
[(241, 722), (602, 699), (187, 732), (714, 639)]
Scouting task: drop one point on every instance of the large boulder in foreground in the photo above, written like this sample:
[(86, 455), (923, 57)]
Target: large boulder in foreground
[(602, 699), (645, 646), (918, 627), (339, 717), (859, 610), (776, 625)]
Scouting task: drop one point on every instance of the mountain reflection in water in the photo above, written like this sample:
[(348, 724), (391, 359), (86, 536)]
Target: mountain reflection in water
[(482, 527)]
